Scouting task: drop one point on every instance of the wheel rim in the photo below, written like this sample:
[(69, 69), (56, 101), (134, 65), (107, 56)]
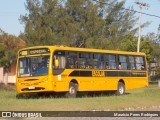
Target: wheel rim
[(121, 90), (72, 90)]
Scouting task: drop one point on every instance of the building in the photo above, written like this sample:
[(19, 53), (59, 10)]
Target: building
[(12, 72)]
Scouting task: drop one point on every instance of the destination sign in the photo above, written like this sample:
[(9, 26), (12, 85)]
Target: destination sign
[(34, 51)]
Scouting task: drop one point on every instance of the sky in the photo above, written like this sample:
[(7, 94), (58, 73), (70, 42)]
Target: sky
[(10, 11), (153, 9)]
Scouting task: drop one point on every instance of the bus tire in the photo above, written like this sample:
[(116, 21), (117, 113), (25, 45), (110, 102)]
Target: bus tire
[(72, 92), (19, 96), (120, 89)]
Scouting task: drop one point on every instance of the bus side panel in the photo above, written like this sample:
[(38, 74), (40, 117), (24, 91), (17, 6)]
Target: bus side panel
[(60, 83), (85, 83), (97, 83), (136, 82), (109, 83)]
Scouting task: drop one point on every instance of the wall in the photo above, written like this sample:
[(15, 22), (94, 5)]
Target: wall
[(1, 74), (11, 74)]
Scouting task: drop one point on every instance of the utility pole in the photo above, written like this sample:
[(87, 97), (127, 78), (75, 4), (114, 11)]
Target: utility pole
[(139, 22)]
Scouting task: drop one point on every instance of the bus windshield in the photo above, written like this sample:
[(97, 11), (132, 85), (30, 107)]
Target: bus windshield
[(33, 66)]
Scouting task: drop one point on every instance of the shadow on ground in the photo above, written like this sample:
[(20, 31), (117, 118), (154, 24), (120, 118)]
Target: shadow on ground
[(11, 87), (62, 95)]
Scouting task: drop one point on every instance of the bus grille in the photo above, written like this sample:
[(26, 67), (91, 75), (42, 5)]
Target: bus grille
[(31, 79), (36, 88)]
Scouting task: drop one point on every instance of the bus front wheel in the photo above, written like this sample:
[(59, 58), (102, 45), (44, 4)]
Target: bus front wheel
[(120, 89), (72, 92)]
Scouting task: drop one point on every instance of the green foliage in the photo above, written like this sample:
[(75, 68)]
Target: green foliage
[(158, 73), (81, 23), (146, 47), (119, 24), (129, 43), (8, 48), (2, 49), (38, 29), (156, 77), (7, 57), (155, 43)]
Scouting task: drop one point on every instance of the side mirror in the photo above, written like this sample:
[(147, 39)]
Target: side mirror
[(56, 63)]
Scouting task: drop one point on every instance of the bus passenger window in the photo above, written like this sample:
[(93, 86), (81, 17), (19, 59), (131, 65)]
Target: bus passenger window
[(61, 62), (101, 65), (107, 66), (123, 62), (140, 63), (119, 66), (132, 62), (82, 63), (72, 61), (112, 61), (142, 67), (84, 60), (112, 66)]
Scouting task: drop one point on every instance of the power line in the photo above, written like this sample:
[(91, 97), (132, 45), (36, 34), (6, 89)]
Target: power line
[(142, 13), (129, 9)]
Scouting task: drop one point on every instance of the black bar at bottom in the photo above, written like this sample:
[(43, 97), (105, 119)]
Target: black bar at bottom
[(22, 114)]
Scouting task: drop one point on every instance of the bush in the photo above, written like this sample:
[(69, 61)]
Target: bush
[(157, 75)]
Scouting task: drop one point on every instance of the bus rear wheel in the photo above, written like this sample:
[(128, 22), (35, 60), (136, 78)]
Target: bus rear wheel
[(72, 92), (120, 89)]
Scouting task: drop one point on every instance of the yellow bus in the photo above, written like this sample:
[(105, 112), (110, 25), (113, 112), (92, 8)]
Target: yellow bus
[(71, 70)]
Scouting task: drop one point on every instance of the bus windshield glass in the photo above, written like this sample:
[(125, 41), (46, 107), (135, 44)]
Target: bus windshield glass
[(33, 66)]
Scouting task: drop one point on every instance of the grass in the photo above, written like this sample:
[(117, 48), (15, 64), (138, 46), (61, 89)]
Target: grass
[(137, 99)]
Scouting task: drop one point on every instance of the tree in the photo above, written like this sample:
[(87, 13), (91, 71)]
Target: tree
[(9, 45), (40, 24), (87, 23), (155, 42), (82, 23), (129, 43), (119, 24), (70, 23), (146, 47)]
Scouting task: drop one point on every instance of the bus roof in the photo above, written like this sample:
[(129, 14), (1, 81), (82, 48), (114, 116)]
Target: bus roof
[(84, 50)]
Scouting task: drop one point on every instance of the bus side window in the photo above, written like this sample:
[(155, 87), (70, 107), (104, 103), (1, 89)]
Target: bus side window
[(112, 61), (53, 63), (101, 62), (95, 61), (123, 62), (72, 61), (84, 60), (119, 66), (142, 67), (140, 63), (59, 60), (107, 66), (87, 60), (132, 62), (106, 60), (81, 60)]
